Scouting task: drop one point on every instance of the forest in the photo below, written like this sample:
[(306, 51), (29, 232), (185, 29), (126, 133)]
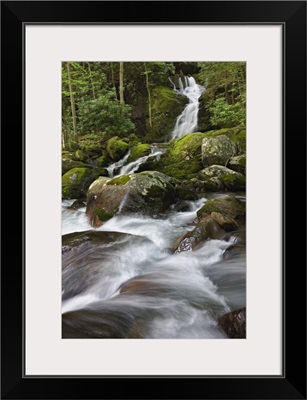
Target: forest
[(153, 199), (101, 99)]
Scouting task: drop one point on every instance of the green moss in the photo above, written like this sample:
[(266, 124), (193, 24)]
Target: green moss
[(183, 160), (119, 180), (237, 135), (242, 161), (68, 164), (103, 215), (104, 160), (116, 148), (133, 140), (234, 182), (228, 206), (76, 182), (80, 155), (166, 105), (185, 194), (138, 151)]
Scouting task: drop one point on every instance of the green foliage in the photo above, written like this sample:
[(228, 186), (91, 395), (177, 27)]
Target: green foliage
[(105, 116), (227, 115), (225, 95)]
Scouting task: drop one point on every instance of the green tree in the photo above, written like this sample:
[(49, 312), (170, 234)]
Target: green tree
[(225, 96)]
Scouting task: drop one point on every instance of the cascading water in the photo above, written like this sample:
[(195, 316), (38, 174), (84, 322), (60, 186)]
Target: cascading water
[(187, 120), (134, 286), (118, 164), (121, 167)]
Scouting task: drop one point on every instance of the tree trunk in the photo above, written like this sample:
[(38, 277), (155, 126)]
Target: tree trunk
[(113, 80), (72, 103), (121, 83), (149, 96), (90, 71)]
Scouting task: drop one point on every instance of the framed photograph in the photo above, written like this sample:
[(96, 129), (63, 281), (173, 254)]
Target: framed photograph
[(163, 170)]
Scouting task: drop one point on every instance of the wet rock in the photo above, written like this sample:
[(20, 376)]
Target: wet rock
[(76, 205), (227, 223), (234, 323), (148, 192), (234, 250), (85, 255), (238, 237), (205, 229)]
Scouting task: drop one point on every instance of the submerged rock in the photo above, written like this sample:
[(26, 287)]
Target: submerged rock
[(86, 254), (234, 323), (148, 192), (234, 250), (76, 205)]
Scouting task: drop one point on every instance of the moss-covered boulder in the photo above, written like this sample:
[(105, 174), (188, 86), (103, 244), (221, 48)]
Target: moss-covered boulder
[(147, 192), (223, 178), (166, 105), (238, 164), (68, 164), (80, 155), (199, 186), (205, 229), (237, 135), (116, 148), (104, 160), (217, 150), (226, 223), (228, 206), (182, 159), (76, 182), (138, 151)]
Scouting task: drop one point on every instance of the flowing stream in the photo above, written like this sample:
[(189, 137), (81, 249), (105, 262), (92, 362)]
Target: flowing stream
[(132, 284), (141, 288)]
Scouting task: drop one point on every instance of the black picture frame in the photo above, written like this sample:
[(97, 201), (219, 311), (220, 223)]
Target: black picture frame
[(292, 16)]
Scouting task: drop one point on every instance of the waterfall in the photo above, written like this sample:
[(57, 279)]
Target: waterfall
[(187, 120), (123, 168), (115, 166)]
